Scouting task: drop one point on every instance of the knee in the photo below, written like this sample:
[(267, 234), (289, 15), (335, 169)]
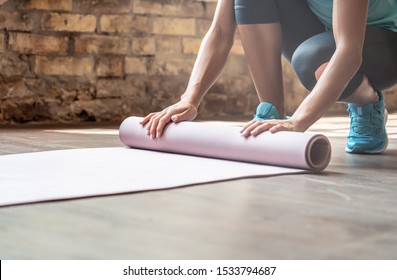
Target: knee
[(311, 56)]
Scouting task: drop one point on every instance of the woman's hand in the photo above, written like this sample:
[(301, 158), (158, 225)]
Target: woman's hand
[(211, 59), (181, 111), (254, 127)]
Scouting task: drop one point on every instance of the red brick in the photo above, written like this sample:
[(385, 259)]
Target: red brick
[(2, 45), (103, 6), (110, 88), (135, 65), (124, 23), (191, 45), (15, 21), (13, 67), (140, 24), (69, 22), (109, 67), (100, 44), (144, 46), (169, 44), (174, 26), (64, 66), (62, 5), (37, 44), (172, 66), (189, 9), (146, 7), (116, 23), (99, 110)]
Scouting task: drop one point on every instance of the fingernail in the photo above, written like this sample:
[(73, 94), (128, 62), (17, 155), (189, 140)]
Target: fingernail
[(174, 118)]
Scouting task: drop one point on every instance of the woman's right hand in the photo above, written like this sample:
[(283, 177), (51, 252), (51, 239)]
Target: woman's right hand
[(156, 122), (209, 64)]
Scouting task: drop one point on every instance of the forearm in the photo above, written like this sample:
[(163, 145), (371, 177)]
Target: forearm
[(211, 59), (338, 73), (349, 21)]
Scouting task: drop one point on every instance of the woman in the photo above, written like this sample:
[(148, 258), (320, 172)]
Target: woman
[(342, 51)]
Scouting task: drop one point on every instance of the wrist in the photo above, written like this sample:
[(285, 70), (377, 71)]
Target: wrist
[(191, 99), (301, 125)]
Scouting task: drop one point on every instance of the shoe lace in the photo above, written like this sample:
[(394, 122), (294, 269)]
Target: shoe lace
[(361, 125), (365, 125)]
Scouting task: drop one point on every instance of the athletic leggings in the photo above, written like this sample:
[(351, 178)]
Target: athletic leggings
[(308, 45)]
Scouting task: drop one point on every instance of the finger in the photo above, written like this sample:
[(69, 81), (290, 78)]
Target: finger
[(147, 118), (149, 125), (162, 123), (247, 125), (248, 130), (155, 122), (262, 128)]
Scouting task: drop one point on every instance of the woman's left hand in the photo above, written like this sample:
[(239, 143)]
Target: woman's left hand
[(255, 127)]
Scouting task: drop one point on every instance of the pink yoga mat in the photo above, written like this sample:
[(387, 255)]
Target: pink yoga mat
[(67, 174), (290, 149)]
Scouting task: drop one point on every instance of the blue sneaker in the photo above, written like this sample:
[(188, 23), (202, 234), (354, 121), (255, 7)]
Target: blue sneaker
[(367, 128), (266, 111)]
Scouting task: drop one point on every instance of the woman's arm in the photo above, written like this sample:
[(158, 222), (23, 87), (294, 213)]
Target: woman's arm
[(349, 22), (211, 59)]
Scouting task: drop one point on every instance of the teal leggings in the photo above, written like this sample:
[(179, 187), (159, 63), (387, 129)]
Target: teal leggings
[(308, 45)]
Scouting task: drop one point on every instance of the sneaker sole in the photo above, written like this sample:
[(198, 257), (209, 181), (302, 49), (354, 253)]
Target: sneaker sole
[(377, 151)]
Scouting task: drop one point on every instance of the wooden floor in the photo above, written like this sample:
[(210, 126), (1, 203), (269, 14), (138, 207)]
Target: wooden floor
[(347, 212)]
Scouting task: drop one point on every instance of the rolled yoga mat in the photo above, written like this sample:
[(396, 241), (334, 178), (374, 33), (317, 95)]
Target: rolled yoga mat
[(289, 149)]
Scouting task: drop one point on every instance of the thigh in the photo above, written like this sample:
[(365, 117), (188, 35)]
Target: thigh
[(298, 23), (255, 11), (310, 55), (378, 63), (380, 57)]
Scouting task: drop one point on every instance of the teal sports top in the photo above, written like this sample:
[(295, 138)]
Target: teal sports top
[(382, 13)]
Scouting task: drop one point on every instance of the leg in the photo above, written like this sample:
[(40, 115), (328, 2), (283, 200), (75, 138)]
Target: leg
[(262, 45), (362, 95), (261, 37), (366, 104), (377, 72), (367, 129), (310, 60), (267, 27), (298, 23), (379, 66)]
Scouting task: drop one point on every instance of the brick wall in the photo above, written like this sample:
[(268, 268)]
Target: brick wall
[(75, 60)]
